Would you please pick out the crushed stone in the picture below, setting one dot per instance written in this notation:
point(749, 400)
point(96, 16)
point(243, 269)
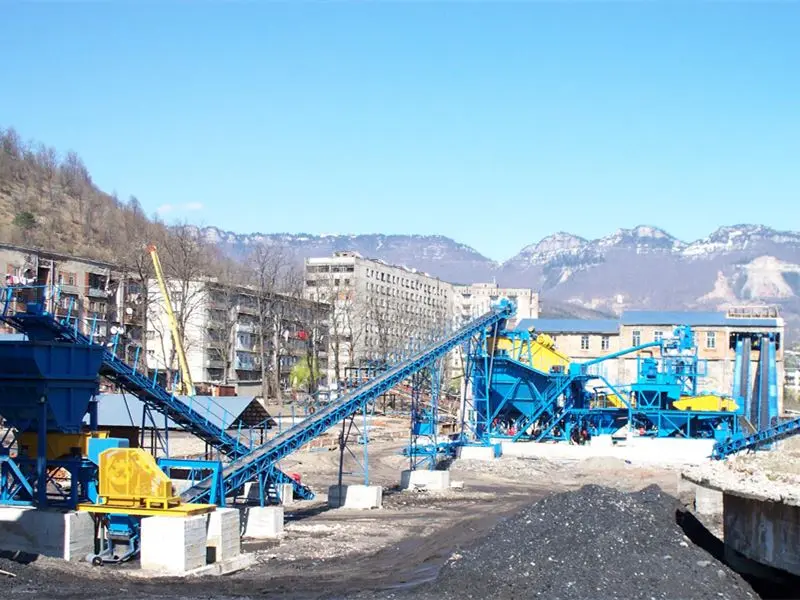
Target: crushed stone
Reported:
point(595, 542)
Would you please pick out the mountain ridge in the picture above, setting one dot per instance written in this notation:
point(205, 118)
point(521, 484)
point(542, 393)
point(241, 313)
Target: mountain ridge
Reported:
point(641, 267)
point(644, 237)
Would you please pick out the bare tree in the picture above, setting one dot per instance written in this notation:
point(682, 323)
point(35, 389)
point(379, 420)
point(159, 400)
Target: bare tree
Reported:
point(136, 268)
point(223, 301)
point(347, 321)
point(48, 162)
point(270, 273)
point(186, 258)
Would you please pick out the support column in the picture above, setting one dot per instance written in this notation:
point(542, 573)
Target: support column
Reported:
point(41, 455)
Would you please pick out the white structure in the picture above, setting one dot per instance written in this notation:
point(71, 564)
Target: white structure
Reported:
point(222, 333)
point(473, 300)
point(379, 309)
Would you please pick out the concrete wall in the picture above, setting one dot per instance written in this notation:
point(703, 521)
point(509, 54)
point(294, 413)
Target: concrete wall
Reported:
point(767, 532)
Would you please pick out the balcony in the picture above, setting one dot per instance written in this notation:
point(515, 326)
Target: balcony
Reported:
point(246, 365)
point(67, 288)
point(246, 327)
point(213, 363)
point(94, 292)
point(247, 309)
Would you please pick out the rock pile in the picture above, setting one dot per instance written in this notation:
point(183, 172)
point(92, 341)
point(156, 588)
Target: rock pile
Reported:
point(594, 543)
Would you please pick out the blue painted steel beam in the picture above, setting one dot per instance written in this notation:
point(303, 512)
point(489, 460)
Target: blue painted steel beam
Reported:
point(751, 442)
point(267, 455)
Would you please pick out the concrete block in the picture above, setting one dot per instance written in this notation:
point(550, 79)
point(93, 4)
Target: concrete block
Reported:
point(686, 489)
point(426, 480)
point(263, 522)
point(763, 531)
point(286, 493)
point(457, 485)
point(251, 492)
point(480, 452)
point(355, 496)
point(707, 501)
point(173, 545)
point(64, 535)
point(223, 540)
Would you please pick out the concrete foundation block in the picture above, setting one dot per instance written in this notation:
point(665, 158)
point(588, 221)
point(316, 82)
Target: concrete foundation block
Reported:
point(707, 501)
point(762, 531)
point(686, 489)
point(251, 492)
point(355, 496)
point(425, 480)
point(64, 535)
point(223, 539)
point(286, 493)
point(263, 522)
point(480, 452)
point(173, 545)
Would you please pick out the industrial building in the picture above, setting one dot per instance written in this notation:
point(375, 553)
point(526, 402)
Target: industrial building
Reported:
point(717, 334)
point(222, 327)
point(379, 310)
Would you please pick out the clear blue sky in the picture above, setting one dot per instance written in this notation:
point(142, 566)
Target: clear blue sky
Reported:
point(495, 124)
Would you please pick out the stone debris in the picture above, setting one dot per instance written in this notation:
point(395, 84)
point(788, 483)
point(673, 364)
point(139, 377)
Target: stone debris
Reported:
point(768, 475)
point(596, 543)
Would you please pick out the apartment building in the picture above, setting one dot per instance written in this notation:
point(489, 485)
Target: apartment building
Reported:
point(379, 309)
point(91, 293)
point(716, 334)
point(223, 334)
point(473, 300)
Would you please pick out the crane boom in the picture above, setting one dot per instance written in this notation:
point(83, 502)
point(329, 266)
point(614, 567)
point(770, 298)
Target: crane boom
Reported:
point(187, 385)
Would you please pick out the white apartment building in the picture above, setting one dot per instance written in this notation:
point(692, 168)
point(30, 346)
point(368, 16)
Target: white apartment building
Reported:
point(379, 310)
point(476, 299)
point(222, 335)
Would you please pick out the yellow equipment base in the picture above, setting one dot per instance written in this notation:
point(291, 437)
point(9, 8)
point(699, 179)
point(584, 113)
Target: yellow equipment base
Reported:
point(182, 510)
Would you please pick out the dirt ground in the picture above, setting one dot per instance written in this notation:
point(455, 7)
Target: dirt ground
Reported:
point(334, 553)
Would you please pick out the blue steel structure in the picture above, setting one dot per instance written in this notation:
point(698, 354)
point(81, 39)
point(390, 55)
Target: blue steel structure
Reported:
point(40, 325)
point(46, 390)
point(514, 400)
point(761, 401)
point(262, 460)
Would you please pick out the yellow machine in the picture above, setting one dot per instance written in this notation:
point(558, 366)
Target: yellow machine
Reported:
point(59, 445)
point(540, 353)
point(706, 402)
point(614, 401)
point(131, 483)
point(186, 385)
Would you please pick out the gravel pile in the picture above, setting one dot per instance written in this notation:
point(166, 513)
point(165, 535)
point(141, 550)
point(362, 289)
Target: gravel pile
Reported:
point(593, 543)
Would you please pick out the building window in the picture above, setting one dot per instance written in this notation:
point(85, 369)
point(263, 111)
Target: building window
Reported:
point(637, 338)
point(584, 342)
point(657, 335)
point(605, 342)
point(711, 340)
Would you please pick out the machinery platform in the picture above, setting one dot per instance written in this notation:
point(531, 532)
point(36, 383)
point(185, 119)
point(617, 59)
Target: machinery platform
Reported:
point(181, 510)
